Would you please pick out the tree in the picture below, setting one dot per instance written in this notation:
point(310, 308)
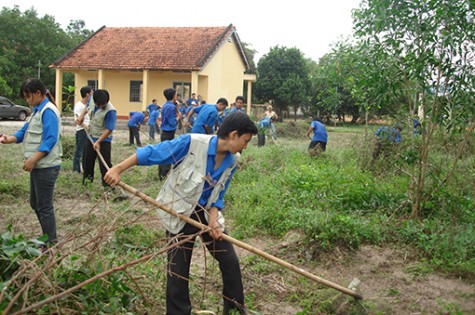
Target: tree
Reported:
point(30, 44)
point(432, 43)
point(283, 78)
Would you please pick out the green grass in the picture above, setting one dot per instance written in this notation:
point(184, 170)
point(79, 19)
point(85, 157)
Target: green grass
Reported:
point(334, 200)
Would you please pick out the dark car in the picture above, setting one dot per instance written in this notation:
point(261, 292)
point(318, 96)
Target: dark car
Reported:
point(10, 110)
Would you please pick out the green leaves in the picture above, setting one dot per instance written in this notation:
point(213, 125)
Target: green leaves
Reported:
point(16, 247)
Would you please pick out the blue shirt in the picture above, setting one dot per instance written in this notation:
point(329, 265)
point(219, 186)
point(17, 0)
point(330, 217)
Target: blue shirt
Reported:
point(50, 128)
point(264, 122)
point(319, 131)
point(152, 120)
point(391, 135)
point(136, 119)
point(207, 116)
point(234, 109)
point(168, 117)
point(174, 151)
point(182, 109)
point(151, 107)
point(192, 118)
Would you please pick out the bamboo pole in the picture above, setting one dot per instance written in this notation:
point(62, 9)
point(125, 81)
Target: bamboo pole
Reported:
point(228, 238)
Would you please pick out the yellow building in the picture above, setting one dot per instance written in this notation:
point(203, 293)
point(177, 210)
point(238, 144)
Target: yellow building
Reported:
point(135, 64)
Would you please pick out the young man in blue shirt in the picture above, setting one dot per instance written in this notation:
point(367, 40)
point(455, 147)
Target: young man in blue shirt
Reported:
point(204, 166)
point(239, 102)
point(386, 138)
point(153, 125)
point(137, 119)
point(320, 136)
point(152, 106)
point(207, 115)
point(168, 126)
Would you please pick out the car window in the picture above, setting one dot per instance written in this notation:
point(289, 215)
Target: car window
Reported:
point(4, 102)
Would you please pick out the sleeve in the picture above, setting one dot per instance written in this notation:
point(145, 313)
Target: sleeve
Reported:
point(166, 152)
point(111, 119)
point(20, 134)
point(50, 131)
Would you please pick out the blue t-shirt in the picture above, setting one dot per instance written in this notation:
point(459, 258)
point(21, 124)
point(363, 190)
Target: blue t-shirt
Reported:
point(319, 131)
point(151, 107)
point(235, 109)
point(168, 117)
point(207, 116)
point(152, 119)
point(173, 152)
point(391, 135)
point(264, 122)
point(136, 119)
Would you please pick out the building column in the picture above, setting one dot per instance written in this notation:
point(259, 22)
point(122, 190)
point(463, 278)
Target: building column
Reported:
point(249, 96)
point(145, 96)
point(59, 90)
point(194, 82)
point(100, 79)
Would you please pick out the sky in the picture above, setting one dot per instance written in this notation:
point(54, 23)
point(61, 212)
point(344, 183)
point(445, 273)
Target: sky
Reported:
point(309, 25)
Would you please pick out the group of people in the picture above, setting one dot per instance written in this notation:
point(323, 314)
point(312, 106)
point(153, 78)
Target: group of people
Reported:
point(203, 166)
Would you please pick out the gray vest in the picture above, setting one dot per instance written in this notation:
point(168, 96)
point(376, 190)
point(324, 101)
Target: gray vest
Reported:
point(97, 123)
point(34, 136)
point(184, 185)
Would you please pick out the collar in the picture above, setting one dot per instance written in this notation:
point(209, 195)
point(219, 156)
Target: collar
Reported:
point(40, 107)
point(213, 145)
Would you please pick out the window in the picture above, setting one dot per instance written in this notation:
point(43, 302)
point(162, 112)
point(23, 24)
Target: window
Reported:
point(183, 90)
point(92, 84)
point(136, 91)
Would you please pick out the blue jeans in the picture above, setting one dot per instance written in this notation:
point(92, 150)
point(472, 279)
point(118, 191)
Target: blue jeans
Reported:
point(151, 131)
point(80, 150)
point(42, 181)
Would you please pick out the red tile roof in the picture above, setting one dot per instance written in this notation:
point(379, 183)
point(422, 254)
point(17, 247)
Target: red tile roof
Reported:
point(149, 48)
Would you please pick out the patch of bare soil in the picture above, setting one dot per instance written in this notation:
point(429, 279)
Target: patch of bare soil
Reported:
point(391, 281)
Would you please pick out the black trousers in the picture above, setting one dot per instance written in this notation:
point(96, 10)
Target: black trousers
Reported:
point(134, 133)
point(179, 258)
point(163, 169)
point(90, 161)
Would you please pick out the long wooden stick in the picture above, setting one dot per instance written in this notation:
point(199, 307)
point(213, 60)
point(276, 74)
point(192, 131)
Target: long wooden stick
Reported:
point(228, 238)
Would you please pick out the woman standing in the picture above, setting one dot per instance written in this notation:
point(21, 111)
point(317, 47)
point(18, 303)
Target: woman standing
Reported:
point(42, 150)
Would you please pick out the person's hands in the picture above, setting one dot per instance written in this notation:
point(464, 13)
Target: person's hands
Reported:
point(2, 138)
point(29, 164)
point(112, 176)
point(216, 231)
point(97, 146)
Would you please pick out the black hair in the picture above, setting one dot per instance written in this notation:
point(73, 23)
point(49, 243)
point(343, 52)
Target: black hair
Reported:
point(101, 97)
point(222, 100)
point(237, 121)
point(85, 90)
point(32, 85)
point(202, 102)
point(169, 93)
point(239, 97)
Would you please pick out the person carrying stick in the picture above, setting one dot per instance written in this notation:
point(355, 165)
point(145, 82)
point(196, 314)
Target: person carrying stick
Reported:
point(203, 168)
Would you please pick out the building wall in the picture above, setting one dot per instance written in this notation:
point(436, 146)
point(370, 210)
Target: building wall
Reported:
point(225, 74)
